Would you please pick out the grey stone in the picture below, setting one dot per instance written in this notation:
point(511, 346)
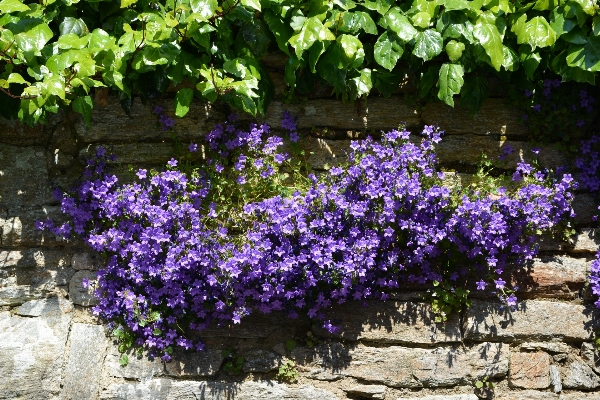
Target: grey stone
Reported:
point(184, 364)
point(555, 379)
point(368, 391)
point(587, 240)
point(17, 227)
point(578, 375)
point(36, 308)
point(533, 321)
point(86, 354)
point(580, 396)
point(392, 322)
point(443, 397)
point(35, 258)
point(85, 261)
point(261, 361)
point(80, 295)
point(404, 367)
point(552, 347)
point(591, 355)
point(530, 370)
point(17, 133)
point(137, 153)
point(553, 276)
point(585, 208)
point(164, 389)
point(31, 353)
point(526, 395)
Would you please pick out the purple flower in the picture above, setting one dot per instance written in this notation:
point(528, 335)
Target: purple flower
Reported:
point(141, 174)
point(172, 162)
point(193, 147)
point(537, 108)
point(500, 283)
point(481, 285)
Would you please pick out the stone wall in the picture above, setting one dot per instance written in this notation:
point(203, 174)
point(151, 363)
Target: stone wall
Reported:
point(51, 346)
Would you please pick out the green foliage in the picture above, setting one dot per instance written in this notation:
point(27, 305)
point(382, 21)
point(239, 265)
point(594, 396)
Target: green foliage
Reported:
point(55, 53)
point(484, 383)
point(288, 372)
point(233, 363)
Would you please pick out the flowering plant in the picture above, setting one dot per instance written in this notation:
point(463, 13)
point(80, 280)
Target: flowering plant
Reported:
point(243, 232)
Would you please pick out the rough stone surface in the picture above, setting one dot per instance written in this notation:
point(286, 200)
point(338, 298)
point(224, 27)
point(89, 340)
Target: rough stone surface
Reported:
point(85, 261)
point(261, 361)
point(578, 375)
point(532, 321)
point(555, 379)
point(35, 258)
point(526, 395)
point(591, 355)
point(580, 396)
point(368, 391)
point(163, 389)
point(588, 240)
point(530, 370)
point(552, 347)
point(80, 295)
point(585, 208)
point(392, 322)
point(405, 367)
point(37, 308)
point(443, 397)
point(552, 276)
point(31, 353)
point(87, 350)
point(184, 364)
point(137, 153)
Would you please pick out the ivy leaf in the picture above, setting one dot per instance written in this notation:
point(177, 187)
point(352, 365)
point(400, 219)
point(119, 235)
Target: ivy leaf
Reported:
point(311, 31)
point(84, 106)
point(362, 84)
point(428, 44)
point(454, 4)
point(127, 3)
point(511, 59)
point(205, 8)
point(381, 6)
point(124, 360)
point(73, 25)
point(530, 62)
point(183, 99)
point(586, 57)
point(386, 82)
point(450, 82)
point(353, 49)
point(16, 78)
point(398, 23)
point(282, 32)
point(560, 24)
point(35, 38)
point(388, 50)
point(454, 50)
point(9, 6)
point(421, 19)
point(536, 32)
point(353, 22)
point(427, 80)
point(489, 37)
point(55, 85)
point(474, 92)
point(255, 4)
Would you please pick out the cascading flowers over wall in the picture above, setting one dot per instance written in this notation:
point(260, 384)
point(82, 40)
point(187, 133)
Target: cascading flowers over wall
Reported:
point(243, 231)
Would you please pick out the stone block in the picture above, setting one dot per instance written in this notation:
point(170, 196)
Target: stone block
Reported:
point(80, 293)
point(526, 395)
point(529, 370)
point(585, 208)
point(367, 391)
point(28, 284)
point(591, 355)
point(86, 261)
point(261, 361)
point(17, 227)
point(580, 396)
point(165, 389)
point(87, 349)
point(494, 118)
point(442, 397)
point(532, 321)
point(35, 258)
point(401, 367)
point(184, 364)
point(555, 379)
point(578, 375)
point(37, 308)
point(587, 241)
point(552, 347)
point(137, 153)
point(391, 322)
point(19, 134)
point(31, 353)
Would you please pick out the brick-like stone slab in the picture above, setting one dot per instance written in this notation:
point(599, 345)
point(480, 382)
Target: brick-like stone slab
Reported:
point(532, 321)
point(391, 322)
point(443, 397)
point(587, 240)
point(35, 258)
point(578, 375)
point(526, 395)
point(405, 367)
point(165, 389)
point(79, 293)
point(530, 370)
point(87, 349)
point(31, 353)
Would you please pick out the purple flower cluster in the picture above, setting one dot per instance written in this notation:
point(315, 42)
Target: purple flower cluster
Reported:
point(176, 263)
point(165, 121)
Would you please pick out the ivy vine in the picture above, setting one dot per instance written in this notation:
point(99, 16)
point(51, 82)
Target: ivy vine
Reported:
point(54, 53)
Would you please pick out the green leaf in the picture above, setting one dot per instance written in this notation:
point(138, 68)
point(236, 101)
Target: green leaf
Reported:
point(353, 48)
point(183, 99)
point(35, 38)
point(421, 19)
point(362, 84)
point(511, 59)
point(290, 345)
point(454, 4)
point(398, 23)
point(381, 6)
point(455, 25)
point(204, 8)
point(489, 37)
point(16, 78)
point(478, 384)
point(84, 106)
point(560, 24)
point(127, 3)
point(124, 360)
point(9, 6)
point(388, 50)
point(454, 50)
point(353, 22)
point(55, 85)
point(312, 30)
point(586, 57)
point(427, 80)
point(73, 25)
point(428, 44)
point(450, 82)
point(282, 32)
point(255, 4)
point(530, 62)
point(536, 32)
point(473, 93)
